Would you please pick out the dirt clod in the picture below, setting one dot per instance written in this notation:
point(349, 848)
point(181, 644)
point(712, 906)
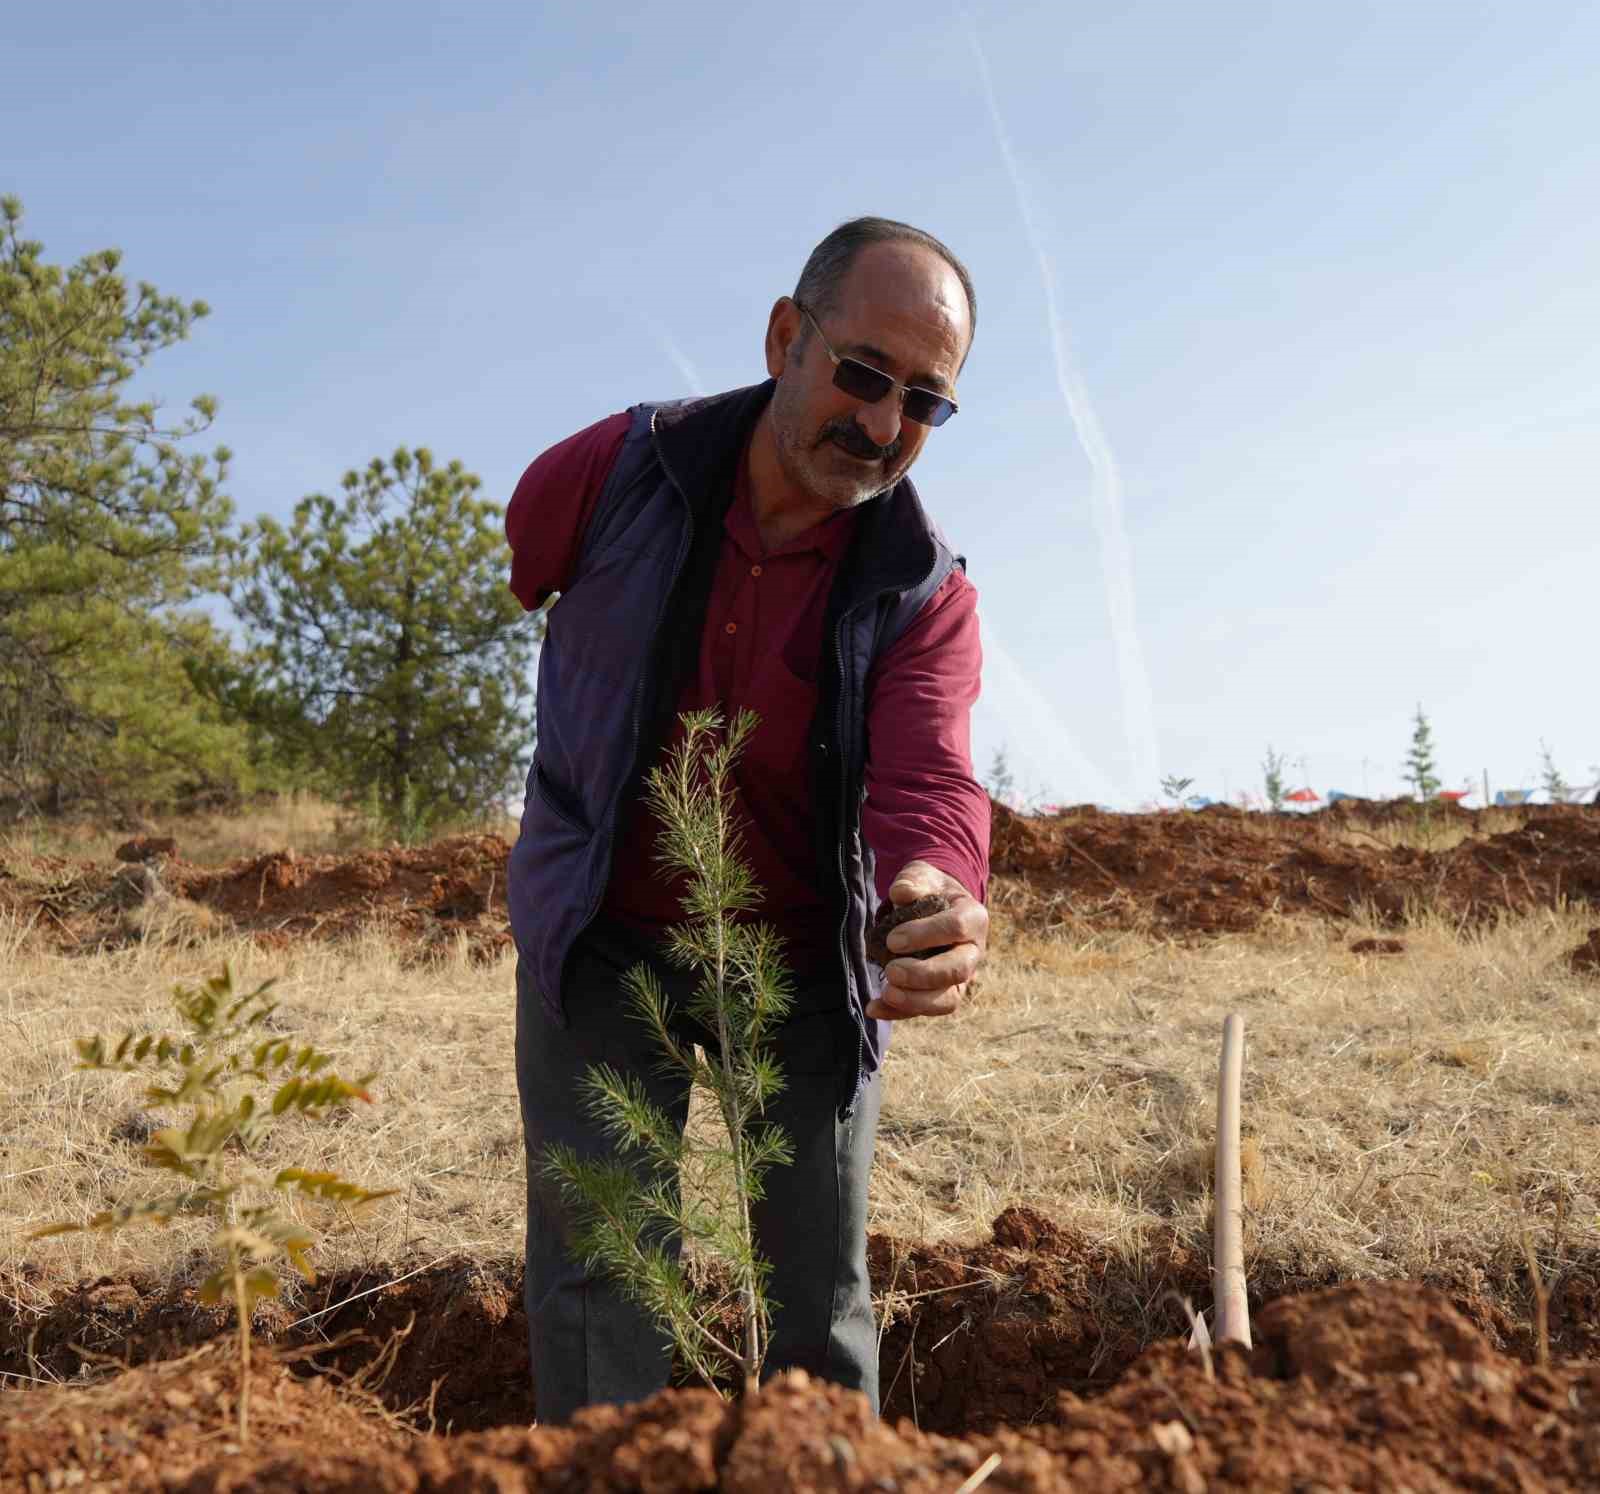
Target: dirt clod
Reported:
point(891, 917)
point(1378, 946)
point(1586, 957)
point(147, 848)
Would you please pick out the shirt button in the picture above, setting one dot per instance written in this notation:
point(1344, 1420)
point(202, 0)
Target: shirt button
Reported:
point(755, 570)
point(731, 628)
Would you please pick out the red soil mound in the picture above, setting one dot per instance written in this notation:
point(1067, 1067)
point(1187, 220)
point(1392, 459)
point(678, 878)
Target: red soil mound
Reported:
point(430, 896)
point(1361, 1387)
point(1223, 871)
point(1212, 872)
point(973, 1337)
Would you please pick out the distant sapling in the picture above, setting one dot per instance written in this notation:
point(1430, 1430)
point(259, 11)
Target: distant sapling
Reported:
point(235, 1082)
point(1272, 777)
point(1175, 788)
point(1421, 771)
point(1550, 777)
point(1001, 785)
point(630, 1218)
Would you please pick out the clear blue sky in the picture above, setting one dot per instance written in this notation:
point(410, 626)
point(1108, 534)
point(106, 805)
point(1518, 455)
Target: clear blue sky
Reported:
point(1313, 435)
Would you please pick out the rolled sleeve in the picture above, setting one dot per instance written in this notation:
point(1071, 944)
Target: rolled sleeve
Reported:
point(923, 803)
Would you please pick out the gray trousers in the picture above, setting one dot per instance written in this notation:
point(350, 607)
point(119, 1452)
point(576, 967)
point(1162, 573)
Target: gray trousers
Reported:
point(589, 1343)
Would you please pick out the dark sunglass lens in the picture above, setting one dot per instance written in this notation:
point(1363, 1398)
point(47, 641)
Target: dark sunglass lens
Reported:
point(927, 408)
point(860, 381)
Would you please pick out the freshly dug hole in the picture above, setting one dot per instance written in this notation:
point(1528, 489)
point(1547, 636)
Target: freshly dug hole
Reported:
point(972, 1337)
point(1365, 1386)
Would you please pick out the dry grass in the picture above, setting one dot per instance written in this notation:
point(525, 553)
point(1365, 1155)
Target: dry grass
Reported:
point(1410, 1114)
point(445, 1128)
point(1420, 827)
point(1439, 831)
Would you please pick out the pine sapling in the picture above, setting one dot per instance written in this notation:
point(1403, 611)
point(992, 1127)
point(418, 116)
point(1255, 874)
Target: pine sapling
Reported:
point(1550, 778)
point(702, 1190)
point(1272, 777)
point(235, 1080)
point(1001, 784)
point(1422, 772)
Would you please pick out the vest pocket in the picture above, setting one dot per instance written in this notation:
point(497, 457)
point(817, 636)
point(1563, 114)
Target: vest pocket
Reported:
point(558, 801)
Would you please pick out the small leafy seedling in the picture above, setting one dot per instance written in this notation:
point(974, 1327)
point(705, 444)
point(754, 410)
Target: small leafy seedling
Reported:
point(235, 1080)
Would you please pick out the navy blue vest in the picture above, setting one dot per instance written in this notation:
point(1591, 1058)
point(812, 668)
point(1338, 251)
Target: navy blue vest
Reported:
point(624, 637)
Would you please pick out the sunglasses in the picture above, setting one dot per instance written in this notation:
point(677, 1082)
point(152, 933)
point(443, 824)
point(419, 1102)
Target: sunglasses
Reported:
point(864, 382)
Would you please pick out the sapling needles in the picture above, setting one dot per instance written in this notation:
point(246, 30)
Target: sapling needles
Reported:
point(699, 1191)
point(234, 1077)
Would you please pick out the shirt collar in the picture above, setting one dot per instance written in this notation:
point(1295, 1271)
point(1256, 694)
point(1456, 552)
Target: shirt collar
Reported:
point(828, 538)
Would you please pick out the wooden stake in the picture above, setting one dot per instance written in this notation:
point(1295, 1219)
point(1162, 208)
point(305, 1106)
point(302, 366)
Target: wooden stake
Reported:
point(980, 1473)
point(1231, 1307)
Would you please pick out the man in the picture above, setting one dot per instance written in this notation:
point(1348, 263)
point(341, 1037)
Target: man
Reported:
point(759, 549)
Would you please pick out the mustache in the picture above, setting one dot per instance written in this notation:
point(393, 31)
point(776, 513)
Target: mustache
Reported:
point(856, 441)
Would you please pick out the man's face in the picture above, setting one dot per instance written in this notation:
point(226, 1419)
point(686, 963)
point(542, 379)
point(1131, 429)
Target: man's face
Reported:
point(901, 309)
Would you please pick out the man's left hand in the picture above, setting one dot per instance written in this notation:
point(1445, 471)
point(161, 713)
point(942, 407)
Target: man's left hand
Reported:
point(932, 987)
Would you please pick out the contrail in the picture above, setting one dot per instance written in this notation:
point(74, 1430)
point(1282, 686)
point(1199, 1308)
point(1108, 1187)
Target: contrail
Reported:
point(1106, 488)
point(674, 352)
point(1022, 706)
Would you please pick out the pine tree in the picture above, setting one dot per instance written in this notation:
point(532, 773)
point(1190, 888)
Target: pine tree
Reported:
point(107, 527)
point(390, 660)
point(1421, 770)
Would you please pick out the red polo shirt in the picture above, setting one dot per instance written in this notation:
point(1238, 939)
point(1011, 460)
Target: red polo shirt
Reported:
point(759, 649)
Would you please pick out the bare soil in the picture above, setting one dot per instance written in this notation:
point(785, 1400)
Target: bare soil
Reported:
point(424, 1386)
point(1218, 871)
point(1222, 871)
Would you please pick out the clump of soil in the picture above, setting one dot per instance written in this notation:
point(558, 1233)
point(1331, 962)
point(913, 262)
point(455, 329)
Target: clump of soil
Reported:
point(891, 917)
point(147, 848)
point(1378, 946)
point(1586, 957)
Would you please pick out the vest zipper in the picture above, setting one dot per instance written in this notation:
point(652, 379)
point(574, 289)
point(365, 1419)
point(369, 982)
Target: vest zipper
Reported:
point(638, 700)
point(860, 1004)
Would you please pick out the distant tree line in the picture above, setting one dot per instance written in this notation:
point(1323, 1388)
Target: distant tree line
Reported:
point(375, 654)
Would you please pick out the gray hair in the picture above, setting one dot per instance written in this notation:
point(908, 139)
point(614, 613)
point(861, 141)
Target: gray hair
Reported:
point(830, 261)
